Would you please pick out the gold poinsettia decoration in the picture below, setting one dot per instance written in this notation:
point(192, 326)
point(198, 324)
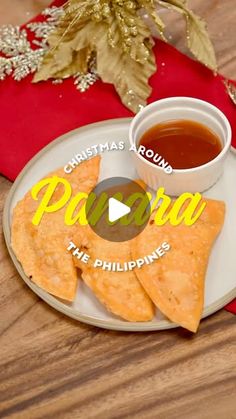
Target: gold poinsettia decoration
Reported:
point(115, 33)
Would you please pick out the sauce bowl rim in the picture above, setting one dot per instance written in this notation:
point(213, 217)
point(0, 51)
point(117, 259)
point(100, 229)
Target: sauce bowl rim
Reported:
point(174, 99)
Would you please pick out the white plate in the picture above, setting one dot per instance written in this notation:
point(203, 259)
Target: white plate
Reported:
point(220, 285)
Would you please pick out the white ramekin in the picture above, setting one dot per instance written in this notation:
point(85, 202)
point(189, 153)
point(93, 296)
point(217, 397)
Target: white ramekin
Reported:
point(196, 179)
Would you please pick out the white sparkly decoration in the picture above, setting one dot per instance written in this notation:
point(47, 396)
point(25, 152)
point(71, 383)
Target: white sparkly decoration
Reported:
point(25, 64)
point(84, 81)
point(13, 41)
point(42, 30)
point(5, 68)
point(19, 57)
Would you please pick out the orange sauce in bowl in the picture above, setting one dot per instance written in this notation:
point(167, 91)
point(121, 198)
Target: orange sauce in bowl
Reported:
point(183, 143)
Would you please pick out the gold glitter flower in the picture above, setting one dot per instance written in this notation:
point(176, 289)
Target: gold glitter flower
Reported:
point(115, 33)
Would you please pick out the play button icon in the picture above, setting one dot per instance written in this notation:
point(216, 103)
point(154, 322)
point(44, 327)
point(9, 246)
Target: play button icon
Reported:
point(118, 209)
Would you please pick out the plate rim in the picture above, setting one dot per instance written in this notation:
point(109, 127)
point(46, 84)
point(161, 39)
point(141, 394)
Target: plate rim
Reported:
point(58, 305)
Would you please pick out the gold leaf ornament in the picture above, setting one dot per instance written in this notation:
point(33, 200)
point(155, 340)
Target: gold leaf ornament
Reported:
point(127, 62)
point(66, 56)
point(198, 40)
point(129, 77)
point(115, 32)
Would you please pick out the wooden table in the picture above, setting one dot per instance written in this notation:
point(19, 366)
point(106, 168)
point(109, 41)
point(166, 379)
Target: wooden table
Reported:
point(54, 367)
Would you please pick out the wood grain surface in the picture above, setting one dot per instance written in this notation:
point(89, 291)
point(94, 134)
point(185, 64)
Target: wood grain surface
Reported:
point(54, 367)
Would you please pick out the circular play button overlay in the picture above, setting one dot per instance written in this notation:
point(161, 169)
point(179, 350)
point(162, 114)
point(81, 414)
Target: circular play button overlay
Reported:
point(118, 209)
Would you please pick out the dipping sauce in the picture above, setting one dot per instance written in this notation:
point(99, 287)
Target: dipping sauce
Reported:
point(183, 143)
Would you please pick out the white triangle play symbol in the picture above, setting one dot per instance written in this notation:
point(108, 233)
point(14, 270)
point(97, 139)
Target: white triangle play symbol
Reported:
point(116, 209)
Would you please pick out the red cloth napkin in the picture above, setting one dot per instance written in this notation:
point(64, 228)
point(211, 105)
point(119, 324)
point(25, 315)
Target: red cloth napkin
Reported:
point(32, 115)
point(231, 307)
